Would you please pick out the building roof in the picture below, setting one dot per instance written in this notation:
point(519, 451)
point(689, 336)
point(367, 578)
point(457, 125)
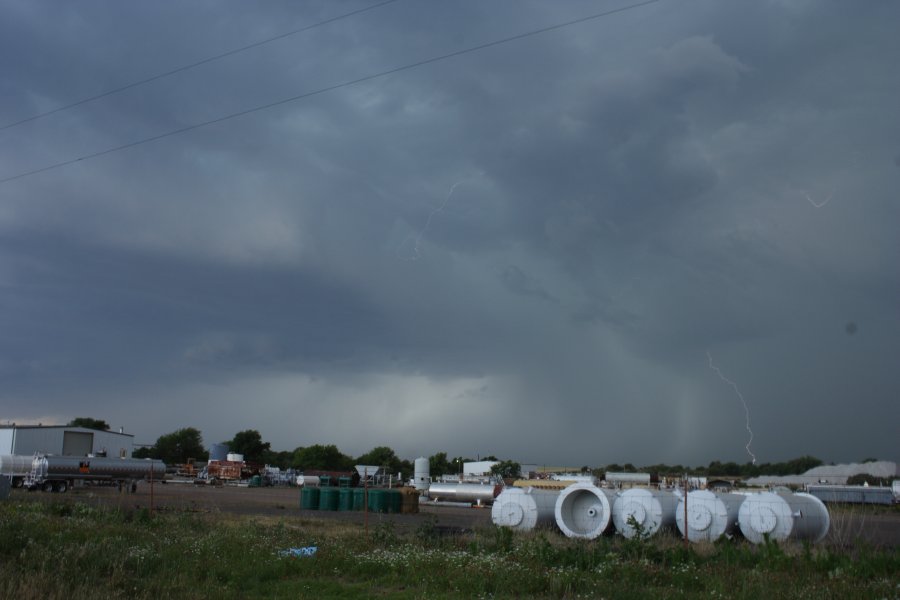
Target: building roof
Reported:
point(66, 427)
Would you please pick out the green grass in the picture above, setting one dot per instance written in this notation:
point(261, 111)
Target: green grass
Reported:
point(78, 551)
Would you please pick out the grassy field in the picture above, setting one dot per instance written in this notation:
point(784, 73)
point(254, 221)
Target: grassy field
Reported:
point(55, 550)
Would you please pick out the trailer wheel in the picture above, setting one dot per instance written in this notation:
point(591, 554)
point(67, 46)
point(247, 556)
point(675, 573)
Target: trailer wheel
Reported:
point(133, 487)
point(63, 487)
point(47, 487)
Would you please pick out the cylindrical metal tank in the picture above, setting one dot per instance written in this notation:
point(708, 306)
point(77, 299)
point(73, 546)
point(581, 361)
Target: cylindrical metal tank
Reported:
point(309, 498)
point(82, 467)
point(307, 481)
point(377, 500)
point(709, 515)
point(329, 498)
point(15, 464)
point(651, 510)
point(464, 492)
point(234, 457)
point(628, 478)
point(359, 498)
point(345, 498)
point(779, 516)
point(218, 452)
point(584, 511)
point(524, 509)
point(421, 474)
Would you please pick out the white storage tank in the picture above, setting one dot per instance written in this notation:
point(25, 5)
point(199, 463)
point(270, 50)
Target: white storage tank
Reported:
point(709, 515)
point(421, 474)
point(524, 509)
point(780, 516)
point(651, 509)
point(584, 511)
point(308, 481)
point(233, 457)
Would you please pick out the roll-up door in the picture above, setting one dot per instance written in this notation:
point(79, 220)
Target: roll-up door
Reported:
point(77, 443)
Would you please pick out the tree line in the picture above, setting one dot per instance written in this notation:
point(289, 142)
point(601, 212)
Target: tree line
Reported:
point(187, 443)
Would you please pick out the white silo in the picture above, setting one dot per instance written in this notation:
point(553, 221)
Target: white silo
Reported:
point(709, 515)
point(650, 510)
point(524, 509)
point(584, 511)
point(421, 474)
point(779, 516)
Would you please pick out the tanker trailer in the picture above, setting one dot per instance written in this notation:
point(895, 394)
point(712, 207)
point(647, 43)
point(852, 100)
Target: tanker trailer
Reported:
point(16, 467)
point(59, 473)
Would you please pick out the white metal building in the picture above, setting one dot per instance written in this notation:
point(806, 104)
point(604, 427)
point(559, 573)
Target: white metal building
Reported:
point(63, 440)
point(478, 469)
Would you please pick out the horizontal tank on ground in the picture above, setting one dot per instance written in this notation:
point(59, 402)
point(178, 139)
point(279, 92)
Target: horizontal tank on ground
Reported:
point(644, 511)
point(852, 494)
point(709, 515)
point(308, 481)
point(780, 516)
point(471, 493)
point(584, 511)
point(628, 478)
point(524, 509)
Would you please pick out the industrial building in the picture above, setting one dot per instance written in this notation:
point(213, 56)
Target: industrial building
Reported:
point(63, 440)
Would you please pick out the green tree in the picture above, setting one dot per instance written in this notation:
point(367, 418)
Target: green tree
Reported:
point(89, 423)
point(322, 458)
point(439, 465)
point(249, 443)
point(507, 469)
point(179, 446)
point(143, 452)
point(381, 456)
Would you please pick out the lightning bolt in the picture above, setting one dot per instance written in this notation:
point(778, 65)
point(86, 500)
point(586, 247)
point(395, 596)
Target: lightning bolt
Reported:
point(744, 402)
point(819, 204)
point(416, 252)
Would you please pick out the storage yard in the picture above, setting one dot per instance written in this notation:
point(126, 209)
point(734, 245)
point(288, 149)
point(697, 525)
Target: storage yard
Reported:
point(848, 525)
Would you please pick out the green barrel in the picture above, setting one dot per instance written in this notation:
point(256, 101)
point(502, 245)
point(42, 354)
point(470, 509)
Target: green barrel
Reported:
point(328, 498)
point(359, 498)
point(309, 498)
point(344, 481)
point(377, 500)
point(393, 500)
point(324, 480)
point(255, 481)
point(345, 498)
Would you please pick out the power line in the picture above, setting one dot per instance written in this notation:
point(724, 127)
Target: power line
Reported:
point(330, 88)
point(193, 65)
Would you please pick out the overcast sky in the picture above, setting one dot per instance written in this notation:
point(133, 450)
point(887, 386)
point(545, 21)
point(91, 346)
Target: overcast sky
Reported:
point(609, 242)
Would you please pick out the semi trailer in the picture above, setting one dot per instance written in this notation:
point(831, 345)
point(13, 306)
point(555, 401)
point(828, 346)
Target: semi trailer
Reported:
point(59, 473)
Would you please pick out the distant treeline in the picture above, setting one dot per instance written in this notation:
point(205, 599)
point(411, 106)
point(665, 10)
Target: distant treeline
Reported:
point(725, 469)
point(184, 444)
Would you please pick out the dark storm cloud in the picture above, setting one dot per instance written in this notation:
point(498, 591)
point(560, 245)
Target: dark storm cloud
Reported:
point(526, 251)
